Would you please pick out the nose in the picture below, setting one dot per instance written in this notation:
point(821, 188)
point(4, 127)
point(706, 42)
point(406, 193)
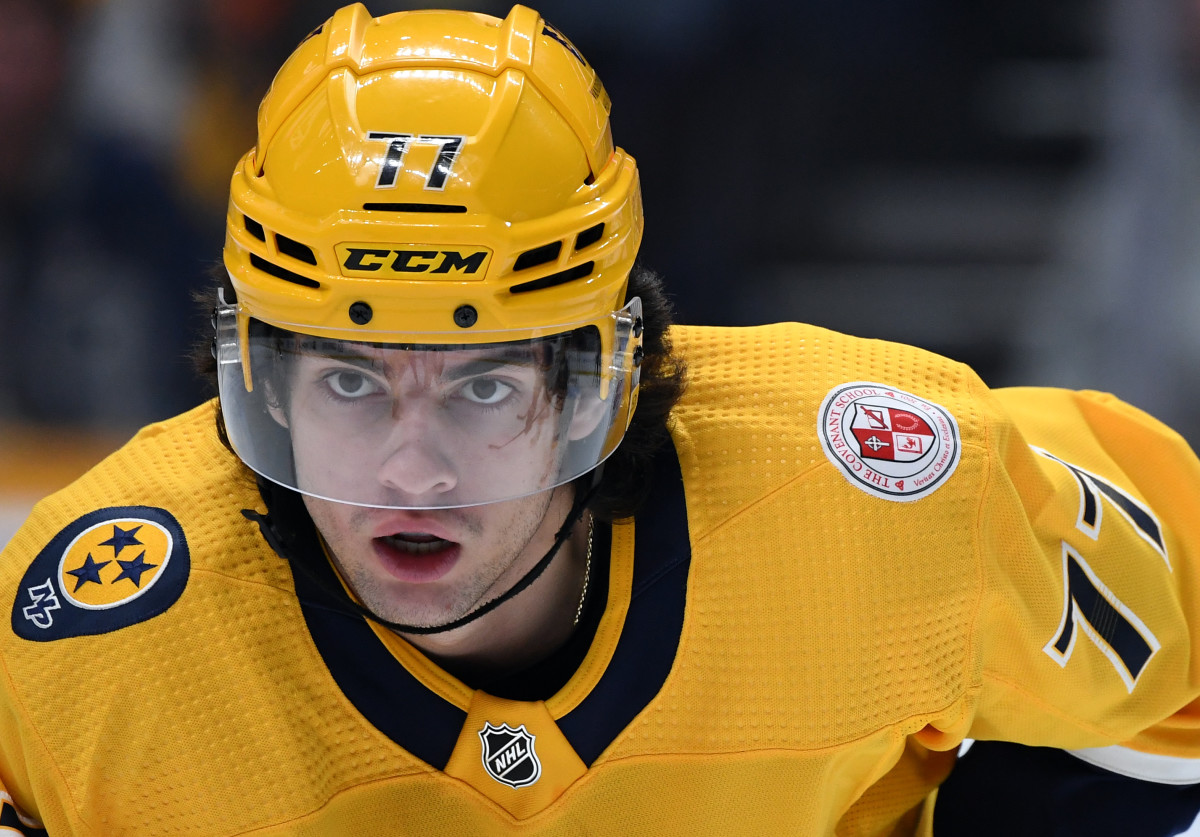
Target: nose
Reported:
point(418, 466)
point(416, 471)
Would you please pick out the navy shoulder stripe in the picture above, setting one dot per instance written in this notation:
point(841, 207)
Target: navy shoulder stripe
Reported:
point(650, 637)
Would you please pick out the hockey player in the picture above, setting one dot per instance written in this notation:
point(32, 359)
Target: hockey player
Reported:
point(455, 551)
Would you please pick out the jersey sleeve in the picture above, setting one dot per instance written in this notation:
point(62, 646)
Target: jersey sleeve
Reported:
point(1090, 607)
point(12, 821)
point(1002, 788)
point(17, 815)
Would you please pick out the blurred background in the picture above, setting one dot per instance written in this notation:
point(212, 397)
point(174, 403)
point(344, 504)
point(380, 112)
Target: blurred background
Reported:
point(1013, 184)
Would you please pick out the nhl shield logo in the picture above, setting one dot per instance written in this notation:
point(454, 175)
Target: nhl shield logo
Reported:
point(891, 444)
point(509, 756)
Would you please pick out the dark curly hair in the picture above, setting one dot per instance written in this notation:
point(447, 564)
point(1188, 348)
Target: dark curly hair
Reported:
point(624, 482)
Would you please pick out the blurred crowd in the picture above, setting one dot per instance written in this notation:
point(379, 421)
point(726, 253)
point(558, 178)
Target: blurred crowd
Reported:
point(122, 121)
point(772, 136)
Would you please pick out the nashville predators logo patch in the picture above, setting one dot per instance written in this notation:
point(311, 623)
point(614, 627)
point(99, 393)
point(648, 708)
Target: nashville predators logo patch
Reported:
point(108, 570)
point(509, 756)
point(889, 443)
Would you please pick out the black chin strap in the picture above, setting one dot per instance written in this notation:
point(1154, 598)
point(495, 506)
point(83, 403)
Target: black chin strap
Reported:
point(291, 533)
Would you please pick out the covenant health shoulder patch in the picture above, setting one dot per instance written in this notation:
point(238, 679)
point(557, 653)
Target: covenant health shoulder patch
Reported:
point(109, 569)
point(887, 442)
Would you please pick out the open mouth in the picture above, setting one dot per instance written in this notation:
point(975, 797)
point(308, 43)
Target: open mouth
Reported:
point(417, 557)
point(416, 543)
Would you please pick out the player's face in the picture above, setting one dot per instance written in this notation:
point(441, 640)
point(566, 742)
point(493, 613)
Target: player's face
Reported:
point(425, 430)
point(421, 428)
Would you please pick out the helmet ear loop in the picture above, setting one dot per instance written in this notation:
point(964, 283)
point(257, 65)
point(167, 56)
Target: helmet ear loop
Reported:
point(274, 405)
point(271, 367)
point(587, 412)
point(586, 403)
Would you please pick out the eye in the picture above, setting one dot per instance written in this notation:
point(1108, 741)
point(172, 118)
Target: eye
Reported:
point(485, 390)
point(348, 384)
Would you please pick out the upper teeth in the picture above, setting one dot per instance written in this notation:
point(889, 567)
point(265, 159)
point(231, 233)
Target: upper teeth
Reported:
point(410, 543)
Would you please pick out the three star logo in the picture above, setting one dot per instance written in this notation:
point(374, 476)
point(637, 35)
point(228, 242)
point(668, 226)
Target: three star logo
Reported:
point(114, 562)
point(107, 570)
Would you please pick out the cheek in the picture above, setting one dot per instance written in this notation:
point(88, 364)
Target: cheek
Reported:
point(336, 524)
point(314, 454)
point(328, 457)
point(508, 526)
point(527, 459)
point(326, 516)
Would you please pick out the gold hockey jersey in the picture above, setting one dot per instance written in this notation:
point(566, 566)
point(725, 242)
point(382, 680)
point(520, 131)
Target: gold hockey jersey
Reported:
point(855, 556)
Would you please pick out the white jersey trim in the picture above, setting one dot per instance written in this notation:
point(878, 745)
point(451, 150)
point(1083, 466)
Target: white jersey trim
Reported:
point(1165, 770)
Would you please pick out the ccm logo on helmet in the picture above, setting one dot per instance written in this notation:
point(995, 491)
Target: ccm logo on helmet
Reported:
point(403, 261)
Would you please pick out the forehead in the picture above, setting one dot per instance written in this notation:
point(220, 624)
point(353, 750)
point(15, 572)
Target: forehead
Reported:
point(431, 357)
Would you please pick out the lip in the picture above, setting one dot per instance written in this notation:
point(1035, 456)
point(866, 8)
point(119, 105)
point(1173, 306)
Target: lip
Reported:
point(401, 522)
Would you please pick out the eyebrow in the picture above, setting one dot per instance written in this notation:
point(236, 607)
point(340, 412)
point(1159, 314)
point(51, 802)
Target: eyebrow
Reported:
point(489, 363)
point(348, 356)
point(500, 357)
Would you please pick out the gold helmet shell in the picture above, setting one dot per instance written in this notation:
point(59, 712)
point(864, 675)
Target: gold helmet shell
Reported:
point(433, 177)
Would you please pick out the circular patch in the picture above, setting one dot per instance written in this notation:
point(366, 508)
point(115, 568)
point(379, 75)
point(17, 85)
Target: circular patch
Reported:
point(114, 562)
point(107, 570)
point(887, 442)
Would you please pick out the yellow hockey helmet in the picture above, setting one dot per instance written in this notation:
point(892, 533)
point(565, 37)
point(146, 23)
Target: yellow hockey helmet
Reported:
point(433, 180)
point(416, 165)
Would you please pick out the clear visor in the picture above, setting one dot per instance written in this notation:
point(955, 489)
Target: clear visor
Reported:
point(425, 426)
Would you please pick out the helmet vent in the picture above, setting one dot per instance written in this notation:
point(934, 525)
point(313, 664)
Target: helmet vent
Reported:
point(589, 236)
point(282, 273)
point(538, 255)
point(295, 249)
point(254, 228)
point(414, 207)
point(560, 278)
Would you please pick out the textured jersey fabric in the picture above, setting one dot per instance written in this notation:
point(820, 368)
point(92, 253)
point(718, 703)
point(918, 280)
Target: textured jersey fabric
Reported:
point(873, 558)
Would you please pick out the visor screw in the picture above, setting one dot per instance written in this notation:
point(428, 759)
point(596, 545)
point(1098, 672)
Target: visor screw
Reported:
point(361, 313)
point(465, 316)
point(638, 354)
point(637, 327)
